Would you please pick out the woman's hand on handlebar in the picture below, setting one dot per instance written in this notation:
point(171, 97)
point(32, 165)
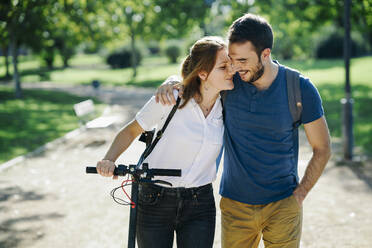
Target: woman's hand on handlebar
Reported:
point(106, 168)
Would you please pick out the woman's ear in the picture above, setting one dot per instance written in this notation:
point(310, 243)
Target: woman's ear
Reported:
point(203, 75)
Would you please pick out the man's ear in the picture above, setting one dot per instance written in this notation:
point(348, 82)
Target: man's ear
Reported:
point(203, 75)
point(265, 54)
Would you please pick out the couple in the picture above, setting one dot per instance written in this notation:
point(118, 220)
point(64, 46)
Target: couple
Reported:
point(261, 192)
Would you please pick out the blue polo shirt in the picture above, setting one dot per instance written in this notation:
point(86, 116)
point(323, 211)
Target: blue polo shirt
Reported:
point(261, 146)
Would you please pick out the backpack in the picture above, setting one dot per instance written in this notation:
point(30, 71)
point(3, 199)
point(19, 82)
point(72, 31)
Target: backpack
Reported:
point(294, 96)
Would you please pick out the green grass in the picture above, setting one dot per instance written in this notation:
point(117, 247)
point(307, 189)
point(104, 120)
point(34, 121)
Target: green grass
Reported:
point(332, 71)
point(331, 94)
point(40, 117)
point(327, 75)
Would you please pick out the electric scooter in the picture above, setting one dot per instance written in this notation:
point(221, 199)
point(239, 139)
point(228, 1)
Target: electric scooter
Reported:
point(144, 175)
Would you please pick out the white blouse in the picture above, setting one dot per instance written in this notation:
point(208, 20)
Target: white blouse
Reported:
point(191, 142)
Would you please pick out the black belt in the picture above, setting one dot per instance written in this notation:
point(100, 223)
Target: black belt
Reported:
point(178, 191)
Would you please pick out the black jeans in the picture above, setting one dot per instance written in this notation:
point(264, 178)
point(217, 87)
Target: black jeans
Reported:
point(190, 212)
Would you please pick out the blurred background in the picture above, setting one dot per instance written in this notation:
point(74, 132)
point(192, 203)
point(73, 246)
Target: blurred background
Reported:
point(55, 54)
point(120, 43)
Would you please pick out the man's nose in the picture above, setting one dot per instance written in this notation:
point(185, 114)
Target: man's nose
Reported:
point(231, 69)
point(234, 67)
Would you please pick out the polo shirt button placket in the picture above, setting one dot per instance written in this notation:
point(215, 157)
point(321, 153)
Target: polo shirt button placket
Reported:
point(253, 103)
point(253, 90)
point(197, 160)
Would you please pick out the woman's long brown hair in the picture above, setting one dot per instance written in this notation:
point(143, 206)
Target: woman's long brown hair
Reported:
point(202, 57)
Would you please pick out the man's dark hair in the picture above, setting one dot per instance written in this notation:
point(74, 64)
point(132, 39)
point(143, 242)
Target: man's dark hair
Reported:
point(252, 28)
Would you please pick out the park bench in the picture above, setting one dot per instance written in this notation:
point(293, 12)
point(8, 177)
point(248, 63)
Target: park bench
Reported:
point(85, 111)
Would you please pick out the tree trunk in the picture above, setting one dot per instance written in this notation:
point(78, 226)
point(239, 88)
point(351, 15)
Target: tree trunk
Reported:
point(6, 57)
point(7, 74)
point(134, 56)
point(65, 61)
point(203, 27)
point(17, 83)
point(65, 52)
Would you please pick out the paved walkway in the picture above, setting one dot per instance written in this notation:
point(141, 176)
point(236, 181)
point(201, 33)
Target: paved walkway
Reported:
point(49, 201)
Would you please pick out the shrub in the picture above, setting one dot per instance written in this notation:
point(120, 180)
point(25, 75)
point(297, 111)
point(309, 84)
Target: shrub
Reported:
point(333, 47)
point(173, 52)
point(122, 58)
point(153, 48)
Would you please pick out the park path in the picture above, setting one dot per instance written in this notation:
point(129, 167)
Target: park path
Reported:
point(48, 200)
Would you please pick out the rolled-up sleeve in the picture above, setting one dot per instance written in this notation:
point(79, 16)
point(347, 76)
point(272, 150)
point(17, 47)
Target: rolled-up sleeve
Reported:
point(153, 113)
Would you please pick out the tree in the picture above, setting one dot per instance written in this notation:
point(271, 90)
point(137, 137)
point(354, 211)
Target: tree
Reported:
point(24, 22)
point(133, 18)
point(4, 46)
point(157, 19)
point(136, 16)
point(70, 23)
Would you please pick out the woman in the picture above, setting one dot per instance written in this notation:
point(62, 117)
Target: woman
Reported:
point(192, 143)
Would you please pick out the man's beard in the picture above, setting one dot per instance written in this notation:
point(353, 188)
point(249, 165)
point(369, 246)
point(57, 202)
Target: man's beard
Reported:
point(258, 72)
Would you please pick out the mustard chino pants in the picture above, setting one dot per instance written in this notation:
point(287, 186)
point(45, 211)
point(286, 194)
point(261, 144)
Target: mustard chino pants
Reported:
point(279, 223)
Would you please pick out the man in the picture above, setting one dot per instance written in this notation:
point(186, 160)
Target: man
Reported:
point(260, 188)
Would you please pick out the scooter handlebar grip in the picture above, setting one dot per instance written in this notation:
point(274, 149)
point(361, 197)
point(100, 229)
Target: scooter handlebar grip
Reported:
point(91, 170)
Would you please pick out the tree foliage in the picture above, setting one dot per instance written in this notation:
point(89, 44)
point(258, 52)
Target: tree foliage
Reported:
point(71, 23)
point(51, 27)
point(297, 23)
point(176, 18)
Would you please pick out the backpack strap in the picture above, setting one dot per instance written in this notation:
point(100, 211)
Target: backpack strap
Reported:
point(223, 99)
point(294, 95)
